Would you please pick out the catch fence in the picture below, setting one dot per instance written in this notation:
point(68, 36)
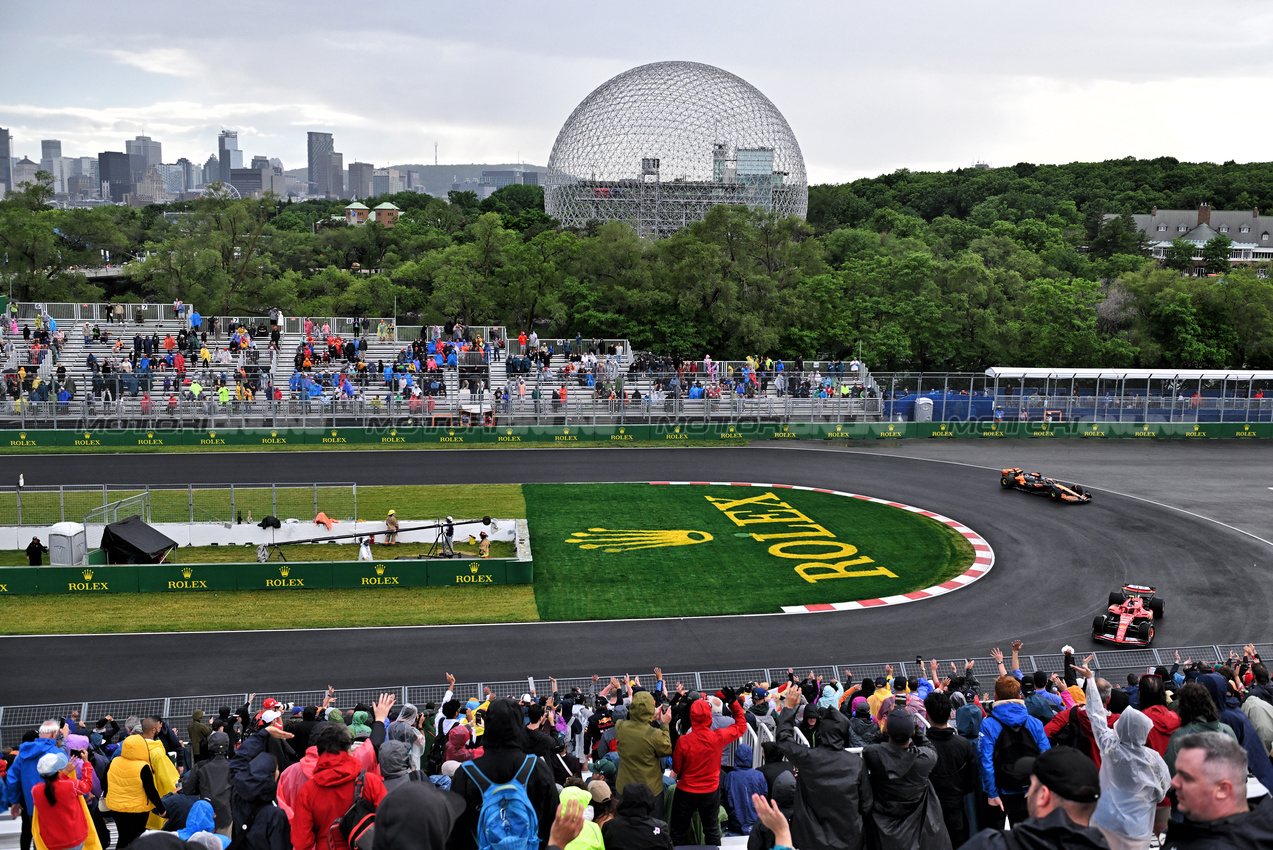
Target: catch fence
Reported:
point(192, 503)
point(1113, 665)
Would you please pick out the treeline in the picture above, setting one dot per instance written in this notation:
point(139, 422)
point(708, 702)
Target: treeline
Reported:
point(953, 271)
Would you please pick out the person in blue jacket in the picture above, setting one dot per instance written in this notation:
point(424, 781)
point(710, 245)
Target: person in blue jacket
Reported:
point(23, 775)
point(1008, 710)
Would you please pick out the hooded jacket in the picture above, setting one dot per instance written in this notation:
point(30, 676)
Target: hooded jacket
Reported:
point(1046, 833)
point(23, 775)
point(457, 745)
point(642, 745)
point(1134, 777)
point(634, 825)
point(395, 764)
point(740, 783)
point(1013, 713)
point(255, 790)
point(589, 838)
point(416, 816)
point(130, 783)
point(833, 790)
point(954, 776)
point(697, 757)
point(907, 813)
point(1196, 725)
point(198, 731)
point(327, 796)
point(1230, 713)
point(211, 777)
point(1165, 723)
point(200, 818)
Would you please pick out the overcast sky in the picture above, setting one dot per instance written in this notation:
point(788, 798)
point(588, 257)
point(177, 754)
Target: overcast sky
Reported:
point(867, 88)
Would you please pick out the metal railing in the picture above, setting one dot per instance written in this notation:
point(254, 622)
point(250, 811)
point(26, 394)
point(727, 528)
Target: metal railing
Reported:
point(189, 503)
point(1113, 665)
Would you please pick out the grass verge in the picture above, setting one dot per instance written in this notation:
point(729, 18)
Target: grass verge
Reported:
point(263, 609)
point(732, 572)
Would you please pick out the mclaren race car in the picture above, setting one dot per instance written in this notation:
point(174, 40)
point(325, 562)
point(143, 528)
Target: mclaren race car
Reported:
point(1131, 616)
point(1034, 482)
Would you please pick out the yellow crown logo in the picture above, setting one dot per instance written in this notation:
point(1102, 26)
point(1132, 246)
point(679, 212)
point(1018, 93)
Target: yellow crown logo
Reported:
point(88, 575)
point(333, 433)
point(508, 430)
point(284, 570)
point(943, 427)
point(212, 434)
point(274, 433)
point(186, 572)
point(380, 569)
point(87, 435)
point(473, 567)
point(450, 433)
point(393, 432)
point(677, 429)
point(22, 435)
point(621, 431)
point(626, 540)
point(149, 434)
point(731, 429)
point(565, 431)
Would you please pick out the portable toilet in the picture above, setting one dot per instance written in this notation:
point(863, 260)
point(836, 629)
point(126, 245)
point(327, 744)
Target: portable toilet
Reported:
point(923, 410)
point(68, 544)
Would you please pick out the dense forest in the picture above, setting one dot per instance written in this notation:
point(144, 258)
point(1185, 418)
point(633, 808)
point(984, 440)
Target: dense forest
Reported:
point(926, 271)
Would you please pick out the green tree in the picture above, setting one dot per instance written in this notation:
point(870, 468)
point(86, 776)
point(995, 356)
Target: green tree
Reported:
point(1215, 254)
point(1179, 255)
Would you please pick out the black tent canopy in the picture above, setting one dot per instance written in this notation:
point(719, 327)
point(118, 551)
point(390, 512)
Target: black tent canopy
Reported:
point(131, 541)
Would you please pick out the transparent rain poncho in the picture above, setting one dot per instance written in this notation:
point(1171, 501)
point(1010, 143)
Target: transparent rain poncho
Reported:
point(1134, 777)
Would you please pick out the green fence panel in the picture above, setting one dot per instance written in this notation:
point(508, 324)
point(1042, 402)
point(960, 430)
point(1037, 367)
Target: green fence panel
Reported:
point(371, 574)
point(150, 439)
point(451, 573)
point(88, 580)
point(519, 572)
point(452, 436)
point(1135, 430)
point(400, 436)
point(278, 575)
point(19, 580)
point(187, 578)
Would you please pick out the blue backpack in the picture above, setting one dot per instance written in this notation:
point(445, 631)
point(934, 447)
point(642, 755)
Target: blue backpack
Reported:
point(507, 821)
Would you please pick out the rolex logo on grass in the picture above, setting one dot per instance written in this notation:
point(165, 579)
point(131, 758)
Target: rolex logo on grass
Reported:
point(284, 570)
point(186, 572)
point(627, 540)
point(88, 575)
point(380, 569)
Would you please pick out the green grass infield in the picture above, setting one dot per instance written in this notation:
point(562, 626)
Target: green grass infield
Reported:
point(605, 551)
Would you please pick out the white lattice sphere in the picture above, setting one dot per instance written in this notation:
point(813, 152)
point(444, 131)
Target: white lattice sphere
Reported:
point(660, 145)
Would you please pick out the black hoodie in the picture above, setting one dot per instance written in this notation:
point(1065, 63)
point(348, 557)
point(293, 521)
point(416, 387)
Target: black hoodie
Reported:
point(416, 816)
point(634, 826)
point(833, 790)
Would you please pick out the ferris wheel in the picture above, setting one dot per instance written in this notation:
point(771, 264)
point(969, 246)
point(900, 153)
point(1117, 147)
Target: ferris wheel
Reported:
point(220, 191)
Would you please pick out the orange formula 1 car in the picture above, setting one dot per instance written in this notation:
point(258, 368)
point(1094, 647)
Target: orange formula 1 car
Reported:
point(1130, 620)
point(1034, 482)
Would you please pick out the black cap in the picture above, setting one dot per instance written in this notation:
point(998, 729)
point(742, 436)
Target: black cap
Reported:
point(1066, 772)
point(1027, 686)
point(900, 724)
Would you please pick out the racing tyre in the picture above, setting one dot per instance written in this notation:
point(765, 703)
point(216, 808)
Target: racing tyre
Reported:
point(1156, 605)
point(1098, 626)
point(1056, 495)
point(1145, 632)
point(1005, 482)
point(1117, 597)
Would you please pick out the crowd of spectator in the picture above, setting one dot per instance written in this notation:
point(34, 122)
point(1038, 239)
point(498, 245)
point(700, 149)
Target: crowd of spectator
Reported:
point(1064, 759)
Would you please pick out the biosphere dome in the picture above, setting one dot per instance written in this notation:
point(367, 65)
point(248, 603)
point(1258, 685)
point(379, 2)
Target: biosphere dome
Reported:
point(660, 145)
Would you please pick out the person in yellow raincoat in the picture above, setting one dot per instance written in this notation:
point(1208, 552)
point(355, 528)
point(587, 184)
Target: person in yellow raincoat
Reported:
point(165, 772)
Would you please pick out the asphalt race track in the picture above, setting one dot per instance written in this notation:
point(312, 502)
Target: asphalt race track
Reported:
point(1054, 567)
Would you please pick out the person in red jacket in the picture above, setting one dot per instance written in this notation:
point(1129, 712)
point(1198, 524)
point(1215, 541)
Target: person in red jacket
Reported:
point(696, 762)
point(1086, 742)
point(329, 793)
point(61, 820)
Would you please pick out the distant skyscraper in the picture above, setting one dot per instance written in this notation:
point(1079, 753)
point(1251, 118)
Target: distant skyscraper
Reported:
point(320, 146)
point(86, 166)
point(116, 172)
point(260, 162)
point(6, 162)
point(360, 176)
point(335, 175)
point(229, 155)
point(189, 174)
point(211, 171)
point(143, 152)
point(50, 148)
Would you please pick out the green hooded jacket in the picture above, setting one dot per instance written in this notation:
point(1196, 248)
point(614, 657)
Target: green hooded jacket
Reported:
point(642, 745)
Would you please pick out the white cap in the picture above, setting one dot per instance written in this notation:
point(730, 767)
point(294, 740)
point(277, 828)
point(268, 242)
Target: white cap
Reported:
point(449, 519)
point(268, 717)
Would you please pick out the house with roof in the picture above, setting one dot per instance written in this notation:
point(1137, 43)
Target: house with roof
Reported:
point(357, 214)
point(1249, 233)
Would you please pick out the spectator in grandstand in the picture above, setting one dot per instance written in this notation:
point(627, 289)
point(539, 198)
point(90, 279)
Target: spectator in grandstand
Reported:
point(1229, 711)
point(740, 783)
point(1073, 727)
point(131, 790)
point(1133, 777)
point(210, 777)
point(907, 814)
point(1005, 788)
point(329, 793)
point(1064, 789)
point(1197, 714)
point(416, 816)
point(954, 777)
point(197, 731)
point(636, 824)
point(696, 760)
point(1152, 699)
point(643, 741)
point(504, 753)
point(833, 790)
point(395, 764)
point(1210, 785)
point(60, 819)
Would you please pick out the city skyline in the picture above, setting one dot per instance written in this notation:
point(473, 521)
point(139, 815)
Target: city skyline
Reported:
point(866, 89)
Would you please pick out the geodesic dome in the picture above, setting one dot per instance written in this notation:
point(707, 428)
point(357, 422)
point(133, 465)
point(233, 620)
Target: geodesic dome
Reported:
point(661, 144)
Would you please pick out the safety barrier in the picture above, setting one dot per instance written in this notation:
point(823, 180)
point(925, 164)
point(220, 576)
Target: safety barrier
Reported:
point(274, 575)
point(1113, 665)
point(35, 441)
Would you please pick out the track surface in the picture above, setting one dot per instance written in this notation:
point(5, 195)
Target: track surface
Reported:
point(1054, 567)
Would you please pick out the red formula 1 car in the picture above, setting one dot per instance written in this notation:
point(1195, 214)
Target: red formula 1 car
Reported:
point(1130, 620)
point(1016, 478)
